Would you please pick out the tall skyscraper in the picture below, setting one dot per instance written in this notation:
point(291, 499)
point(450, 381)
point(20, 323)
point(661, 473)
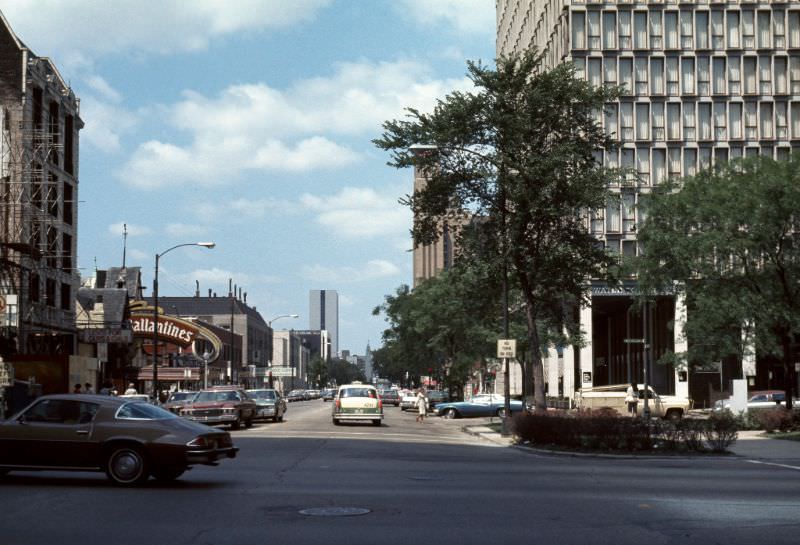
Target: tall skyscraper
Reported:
point(323, 312)
point(704, 82)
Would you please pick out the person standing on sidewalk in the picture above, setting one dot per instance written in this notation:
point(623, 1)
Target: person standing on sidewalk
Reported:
point(632, 399)
point(422, 405)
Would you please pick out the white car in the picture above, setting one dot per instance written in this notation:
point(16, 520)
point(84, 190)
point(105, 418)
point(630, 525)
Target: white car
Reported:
point(357, 401)
point(759, 399)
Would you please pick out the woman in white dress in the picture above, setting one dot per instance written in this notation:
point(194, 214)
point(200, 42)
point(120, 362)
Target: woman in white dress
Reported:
point(422, 405)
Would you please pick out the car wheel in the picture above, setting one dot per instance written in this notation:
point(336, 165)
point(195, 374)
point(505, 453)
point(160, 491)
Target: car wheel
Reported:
point(451, 413)
point(127, 465)
point(280, 418)
point(335, 421)
point(248, 423)
point(674, 415)
point(501, 412)
point(167, 473)
point(376, 422)
point(236, 424)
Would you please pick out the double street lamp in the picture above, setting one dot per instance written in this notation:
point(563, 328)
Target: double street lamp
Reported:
point(208, 245)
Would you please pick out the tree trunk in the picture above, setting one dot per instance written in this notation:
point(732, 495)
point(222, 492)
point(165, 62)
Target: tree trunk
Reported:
point(539, 401)
point(788, 370)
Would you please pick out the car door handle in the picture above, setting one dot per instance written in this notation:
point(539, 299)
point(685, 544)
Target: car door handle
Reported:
point(82, 432)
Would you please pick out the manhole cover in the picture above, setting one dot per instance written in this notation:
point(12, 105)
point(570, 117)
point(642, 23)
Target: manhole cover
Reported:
point(334, 511)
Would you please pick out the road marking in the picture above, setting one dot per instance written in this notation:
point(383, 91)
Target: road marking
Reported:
point(786, 466)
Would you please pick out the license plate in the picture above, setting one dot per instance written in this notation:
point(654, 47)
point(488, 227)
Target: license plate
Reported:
point(359, 411)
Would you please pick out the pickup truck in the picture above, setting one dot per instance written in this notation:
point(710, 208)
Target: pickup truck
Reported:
point(613, 397)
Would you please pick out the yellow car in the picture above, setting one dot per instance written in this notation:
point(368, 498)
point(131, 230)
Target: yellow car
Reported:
point(357, 402)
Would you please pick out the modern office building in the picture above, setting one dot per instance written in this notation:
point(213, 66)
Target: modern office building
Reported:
point(39, 124)
point(323, 314)
point(704, 81)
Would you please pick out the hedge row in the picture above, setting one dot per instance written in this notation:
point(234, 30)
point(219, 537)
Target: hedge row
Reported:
point(606, 432)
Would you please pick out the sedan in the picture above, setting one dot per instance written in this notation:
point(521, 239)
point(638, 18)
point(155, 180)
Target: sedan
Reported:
point(129, 440)
point(480, 405)
point(270, 404)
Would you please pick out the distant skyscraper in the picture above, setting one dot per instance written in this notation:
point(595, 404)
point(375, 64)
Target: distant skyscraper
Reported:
point(323, 312)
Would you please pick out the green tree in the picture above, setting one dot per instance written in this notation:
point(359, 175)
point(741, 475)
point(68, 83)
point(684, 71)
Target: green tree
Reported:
point(343, 372)
point(729, 239)
point(518, 154)
point(318, 371)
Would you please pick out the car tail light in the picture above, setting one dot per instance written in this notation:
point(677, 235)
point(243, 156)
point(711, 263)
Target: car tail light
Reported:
point(380, 404)
point(198, 442)
point(338, 404)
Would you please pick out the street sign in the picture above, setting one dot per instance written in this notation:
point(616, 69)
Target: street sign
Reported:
point(282, 371)
point(633, 341)
point(506, 348)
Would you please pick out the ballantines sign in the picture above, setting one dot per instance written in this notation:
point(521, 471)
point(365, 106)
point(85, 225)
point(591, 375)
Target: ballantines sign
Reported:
point(170, 329)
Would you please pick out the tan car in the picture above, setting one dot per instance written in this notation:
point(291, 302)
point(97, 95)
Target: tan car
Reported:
point(357, 402)
point(129, 440)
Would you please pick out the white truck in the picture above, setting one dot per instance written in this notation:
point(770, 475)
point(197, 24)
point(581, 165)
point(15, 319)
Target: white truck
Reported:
point(613, 397)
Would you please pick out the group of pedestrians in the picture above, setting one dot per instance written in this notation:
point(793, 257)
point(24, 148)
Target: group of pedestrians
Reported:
point(83, 388)
point(107, 389)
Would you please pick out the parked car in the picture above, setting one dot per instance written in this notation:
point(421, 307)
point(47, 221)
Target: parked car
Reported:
point(480, 405)
point(613, 397)
point(129, 440)
point(390, 397)
point(221, 405)
point(176, 400)
point(328, 394)
point(435, 397)
point(408, 401)
point(270, 404)
point(296, 395)
point(144, 398)
point(759, 399)
point(357, 402)
point(312, 394)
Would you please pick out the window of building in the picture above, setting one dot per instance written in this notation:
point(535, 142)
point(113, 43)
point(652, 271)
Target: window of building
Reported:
point(658, 121)
point(751, 151)
point(748, 29)
point(66, 252)
point(735, 120)
point(68, 204)
point(656, 76)
point(781, 121)
point(764, 25)
point(609, 30)
point(793, 24)
point(701, 24)
point(659, 165)
point(629, 248)
point(782, 153)
point(626, 163)
point(688, 121)
point(656, 41)
point(612, 162)
point(613, 217)
point(674, 163)
point(35, 288)
point(733, 29)
point(779, 28)
point(673, 121)
point(735, 152)
point(718, 69)
point(687, 30)
point(766, 121)
point(642, 121)
point(610, 70)
point(640, 30)
point(781, 79)
point(593, 19)
point(794, 74)
point(750, 75)
point(626, 121)
point(580, 68)
point(595, 69)
point(643, 165)
point(720, 124)
point(671, 29)
point(597, 219)
point(704, 158)
point(718, 29)
point(578, 30)
point(673, 88)
point(52, 196)
point(50, 292)
point(640, 65)
point(612, 246)
point(720, 156)
point(66, 296)
point(629, 206)
point(687, 75)
point(624, 30)
point(52, 248)
point(689, 162)
point(626, 75)
point(750, 120)
point(765, 75)
point(734, 76)
point(703, 76)
point(704, 121)
point(611, 119)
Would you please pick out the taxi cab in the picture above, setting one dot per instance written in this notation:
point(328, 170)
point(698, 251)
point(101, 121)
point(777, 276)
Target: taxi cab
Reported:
point(357, 401)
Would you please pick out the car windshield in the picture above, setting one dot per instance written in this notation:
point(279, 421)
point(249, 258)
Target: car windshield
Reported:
point(181, 396)
point(143, 411)
point(262, 394)
point(357, 392)
point(216, 396)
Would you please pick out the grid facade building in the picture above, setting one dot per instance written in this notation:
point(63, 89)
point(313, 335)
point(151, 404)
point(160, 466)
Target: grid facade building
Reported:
point(323, 315)
point(702, 82)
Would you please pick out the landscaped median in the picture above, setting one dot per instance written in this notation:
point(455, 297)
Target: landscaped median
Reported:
point(605, 431)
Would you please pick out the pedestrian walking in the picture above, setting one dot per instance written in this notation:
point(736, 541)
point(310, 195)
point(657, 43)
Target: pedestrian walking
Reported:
point(632, 399)
point(422, 405)
point(76, 389)
point(87, 388)
point(131, 389)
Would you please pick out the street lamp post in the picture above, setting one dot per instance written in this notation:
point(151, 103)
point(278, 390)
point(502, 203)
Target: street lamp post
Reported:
point(269, 324)
point(208, 245)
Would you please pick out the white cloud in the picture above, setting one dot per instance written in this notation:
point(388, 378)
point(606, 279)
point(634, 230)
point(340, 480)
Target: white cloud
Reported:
point(134, 230)
point(254, 127)
point(150, 26)
point(359, 213)
point(185, 230)
point(477, 16)
point(372, 270)
point(105, 124)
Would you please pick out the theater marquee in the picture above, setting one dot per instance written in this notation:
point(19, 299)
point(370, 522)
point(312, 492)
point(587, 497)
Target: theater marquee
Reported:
point(173, 330)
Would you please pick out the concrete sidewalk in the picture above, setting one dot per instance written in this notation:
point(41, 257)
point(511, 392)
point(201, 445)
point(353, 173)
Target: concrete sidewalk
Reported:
point(752, 445)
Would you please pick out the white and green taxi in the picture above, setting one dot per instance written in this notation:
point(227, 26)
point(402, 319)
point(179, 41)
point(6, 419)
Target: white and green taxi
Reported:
point(357, 401)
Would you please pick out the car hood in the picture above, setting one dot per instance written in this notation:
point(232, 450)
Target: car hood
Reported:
point(212, 404)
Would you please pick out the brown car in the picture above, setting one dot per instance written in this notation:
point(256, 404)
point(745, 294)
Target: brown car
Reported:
point(226, 405)
point(129, 440)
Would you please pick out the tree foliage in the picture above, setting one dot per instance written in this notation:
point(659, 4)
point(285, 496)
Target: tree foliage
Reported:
point(729, 239)
point(517, 153)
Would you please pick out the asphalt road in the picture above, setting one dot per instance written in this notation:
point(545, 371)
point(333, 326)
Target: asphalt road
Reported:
point(409, 483)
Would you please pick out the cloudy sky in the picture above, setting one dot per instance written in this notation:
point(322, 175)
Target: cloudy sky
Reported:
point(248, 123)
